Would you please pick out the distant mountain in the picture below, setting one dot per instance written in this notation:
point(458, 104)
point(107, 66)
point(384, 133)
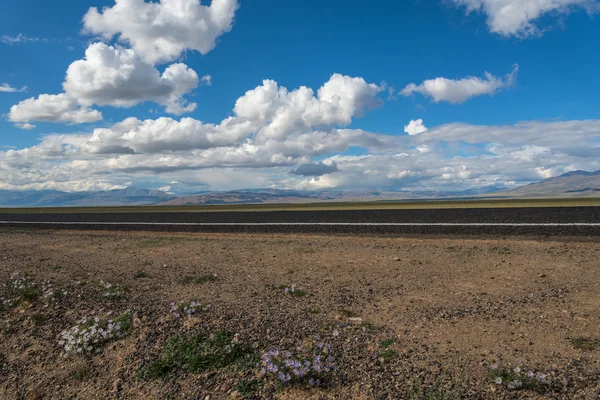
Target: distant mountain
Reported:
point(53, 198)
point(571, 184)
point(258, 196)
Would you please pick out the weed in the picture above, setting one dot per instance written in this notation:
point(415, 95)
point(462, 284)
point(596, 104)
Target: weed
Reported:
point(38, 318)
point(113, 291)
point(202, 352)
point(20, 288)
point(585, 343)
point(367, 327)
point(388, 355)
point(247, 387)
point(385, 343)
point(185, 308)
point(517, 379)
point(126, 321)
point(306, 250)
point(90, 334)
point(80, 372)
point(162, 241)
point(348, 313)
point(140, 274)
point(501, 250)
point(292, 290)
point(200, 280)
point(310, 362)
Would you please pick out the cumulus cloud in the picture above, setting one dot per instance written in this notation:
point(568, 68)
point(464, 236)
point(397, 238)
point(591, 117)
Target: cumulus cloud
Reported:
point(280, 112)
point(117, 76)
point(51, 108)
point(296, 139)
point(317, 169)
point(518, 17)
point(458, 91)
point(6, 88)
point(415, 127)
point(282, 121)
point(161, 31)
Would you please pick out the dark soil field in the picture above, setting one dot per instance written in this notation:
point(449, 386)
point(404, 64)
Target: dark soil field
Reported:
point(140, 315)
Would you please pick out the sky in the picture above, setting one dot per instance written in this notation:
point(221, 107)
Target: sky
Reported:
point(187, 95)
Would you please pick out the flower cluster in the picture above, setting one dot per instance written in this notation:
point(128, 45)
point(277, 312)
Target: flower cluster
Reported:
point(516, 378)
point(289, 289)
point(48, 294)
point(21, 287)
point(112, 291)
point(310, 362)
point(292, 290)
point(185, 308)
point(89, 335)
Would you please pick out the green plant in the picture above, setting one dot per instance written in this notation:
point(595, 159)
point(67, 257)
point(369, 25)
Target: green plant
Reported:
point(349, 314)
point(585, 343)
point(140, 274)
point(388, 355)
point(306, 250)
point(247, 387)
point(517, 379)
point(80, 373)
point(385, 343)
point(38, 318)
point(201, 352)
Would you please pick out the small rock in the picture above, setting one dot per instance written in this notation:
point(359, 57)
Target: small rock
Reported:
point(356, 320)
point(236, 395)
point(117, 385)
point(397, 259)
point(137, 323)
point(207, 397)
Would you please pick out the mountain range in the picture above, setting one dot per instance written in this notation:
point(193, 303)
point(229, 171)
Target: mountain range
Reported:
point(571, 184)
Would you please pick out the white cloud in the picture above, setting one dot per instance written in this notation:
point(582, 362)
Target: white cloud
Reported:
point(280, 112)
point(415, 127)
point(206, 80)
point(161, 31)
point(116, 76)
point(281, 121)
point(518, 17)
point(25, 125)
point(52, 108)
point(6, 88)
point(459, 91)
point(242, 150)
point(19, 39)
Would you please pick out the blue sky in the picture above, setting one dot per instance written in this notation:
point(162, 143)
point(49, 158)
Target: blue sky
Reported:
point(533, 117)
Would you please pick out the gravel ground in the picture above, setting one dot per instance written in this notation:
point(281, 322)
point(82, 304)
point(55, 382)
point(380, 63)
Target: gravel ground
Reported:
point(401, 318)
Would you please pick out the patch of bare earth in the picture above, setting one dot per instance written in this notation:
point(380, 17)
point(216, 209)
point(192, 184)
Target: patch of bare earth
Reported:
point(401, 318)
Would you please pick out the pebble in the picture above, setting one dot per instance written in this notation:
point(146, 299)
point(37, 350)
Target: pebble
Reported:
point(236, 395)
point(117, 385)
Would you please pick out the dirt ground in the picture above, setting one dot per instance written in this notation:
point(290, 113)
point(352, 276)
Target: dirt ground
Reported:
point(403, 318)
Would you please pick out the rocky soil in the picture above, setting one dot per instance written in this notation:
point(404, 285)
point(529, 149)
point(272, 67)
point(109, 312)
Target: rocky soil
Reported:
point(189, 316)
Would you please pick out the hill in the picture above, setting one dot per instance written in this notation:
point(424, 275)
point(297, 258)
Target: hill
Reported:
point(571, 184)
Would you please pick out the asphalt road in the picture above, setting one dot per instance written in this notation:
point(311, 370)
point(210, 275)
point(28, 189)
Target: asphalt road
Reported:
point(568, 221)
